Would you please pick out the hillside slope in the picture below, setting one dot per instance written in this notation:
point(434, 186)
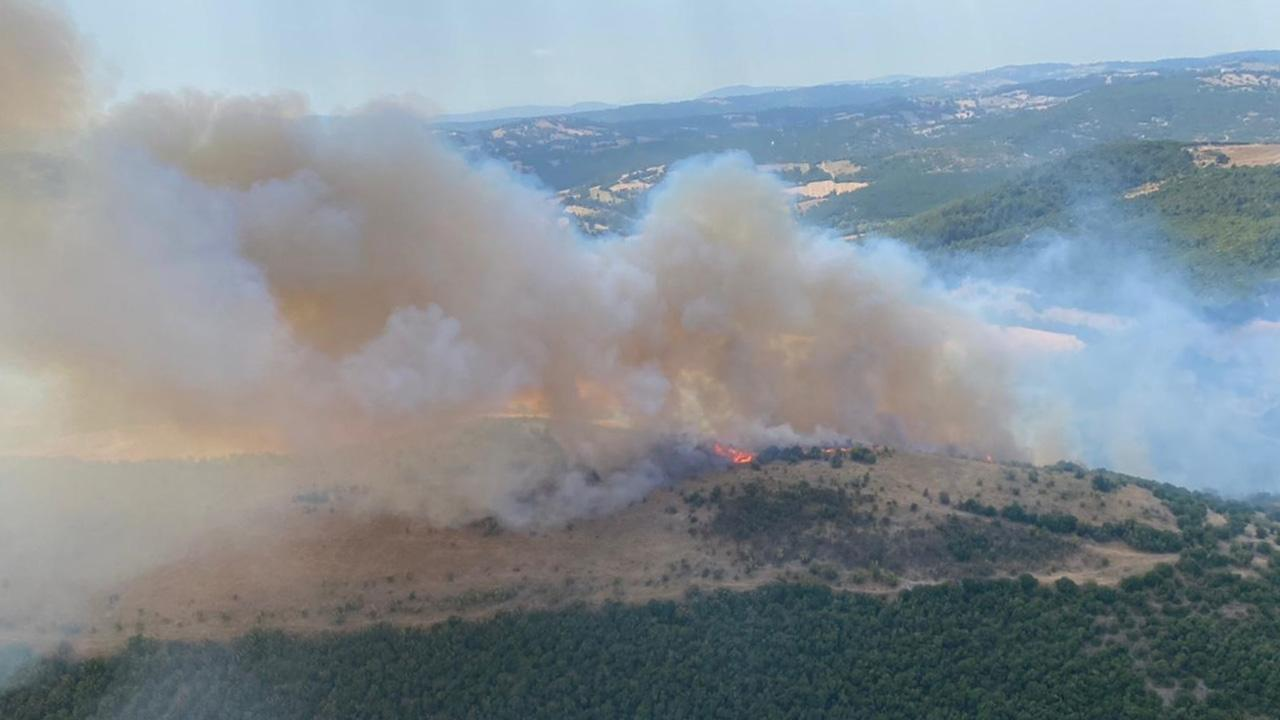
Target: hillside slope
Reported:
point(857, 582)
point(1216, 217)
point(860, 521)
point(919, 142)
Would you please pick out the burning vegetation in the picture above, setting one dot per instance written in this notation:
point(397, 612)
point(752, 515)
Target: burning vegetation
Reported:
point(736, 456)
point(836, 454)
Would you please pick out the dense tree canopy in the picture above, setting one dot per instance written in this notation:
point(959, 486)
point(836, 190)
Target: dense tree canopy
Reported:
point(1222, 225)
point(1184, 642)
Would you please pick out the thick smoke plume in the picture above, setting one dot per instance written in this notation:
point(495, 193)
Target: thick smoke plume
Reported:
point(202, 273)
point(41, 77)
point(190, 275)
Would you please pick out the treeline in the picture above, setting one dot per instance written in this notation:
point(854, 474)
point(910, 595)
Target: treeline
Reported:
point(1181, 642)
point(797, 453)
point(1137, 535)
point(1221, 225)
point(1190, 509)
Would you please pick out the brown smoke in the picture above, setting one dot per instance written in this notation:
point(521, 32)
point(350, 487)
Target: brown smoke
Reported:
point(41, 82)
point(191, 274)
point(250, 275)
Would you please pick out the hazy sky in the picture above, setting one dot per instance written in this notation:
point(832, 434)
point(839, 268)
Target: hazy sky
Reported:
point(475, 54)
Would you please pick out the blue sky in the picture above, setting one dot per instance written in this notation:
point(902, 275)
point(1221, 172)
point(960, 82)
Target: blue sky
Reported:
point(463, 55)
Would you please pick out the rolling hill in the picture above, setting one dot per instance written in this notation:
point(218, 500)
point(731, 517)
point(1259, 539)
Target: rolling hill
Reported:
point(792, 582)
point(821, 576)
point(1215, 216)
point(919, 142)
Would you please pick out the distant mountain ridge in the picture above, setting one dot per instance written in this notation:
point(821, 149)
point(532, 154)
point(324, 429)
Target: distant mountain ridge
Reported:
point(520, 112)
point(749, 98)
point(741, 91)
point(968, 163)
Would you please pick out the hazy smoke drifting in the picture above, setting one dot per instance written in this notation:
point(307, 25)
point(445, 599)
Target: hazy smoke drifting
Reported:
point(1142, 375)
point(41, 80)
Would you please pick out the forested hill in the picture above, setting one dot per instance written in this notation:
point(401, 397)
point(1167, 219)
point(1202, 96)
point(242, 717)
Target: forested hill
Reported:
point(893, 148)
point(1219, 219)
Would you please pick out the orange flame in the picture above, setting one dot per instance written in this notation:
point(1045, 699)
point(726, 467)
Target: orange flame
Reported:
point(737, 456)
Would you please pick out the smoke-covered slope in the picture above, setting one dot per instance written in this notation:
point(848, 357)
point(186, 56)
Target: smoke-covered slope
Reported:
point(344, 542)
point(1109, 596)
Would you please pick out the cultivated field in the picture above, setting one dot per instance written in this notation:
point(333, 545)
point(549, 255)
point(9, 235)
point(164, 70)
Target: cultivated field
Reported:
point(1248, 155)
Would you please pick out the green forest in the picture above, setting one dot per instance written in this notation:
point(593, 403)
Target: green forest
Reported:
point(1221, 224)
point(1177, 643)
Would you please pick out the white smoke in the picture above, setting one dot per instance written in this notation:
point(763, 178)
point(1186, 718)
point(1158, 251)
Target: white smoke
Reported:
point(1143, 376)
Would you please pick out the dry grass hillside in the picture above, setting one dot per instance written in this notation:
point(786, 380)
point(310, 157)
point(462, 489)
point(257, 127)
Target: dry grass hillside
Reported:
point(1238, 155)
point(874, 522)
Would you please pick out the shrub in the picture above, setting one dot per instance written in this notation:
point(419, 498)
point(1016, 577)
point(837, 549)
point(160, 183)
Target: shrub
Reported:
point(1102, 483)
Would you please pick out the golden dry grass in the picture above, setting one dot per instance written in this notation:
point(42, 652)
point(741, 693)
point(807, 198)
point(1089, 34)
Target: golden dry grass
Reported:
point(1248, 155)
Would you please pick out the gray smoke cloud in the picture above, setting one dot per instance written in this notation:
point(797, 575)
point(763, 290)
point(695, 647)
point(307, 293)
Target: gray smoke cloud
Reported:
point(41, 74)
